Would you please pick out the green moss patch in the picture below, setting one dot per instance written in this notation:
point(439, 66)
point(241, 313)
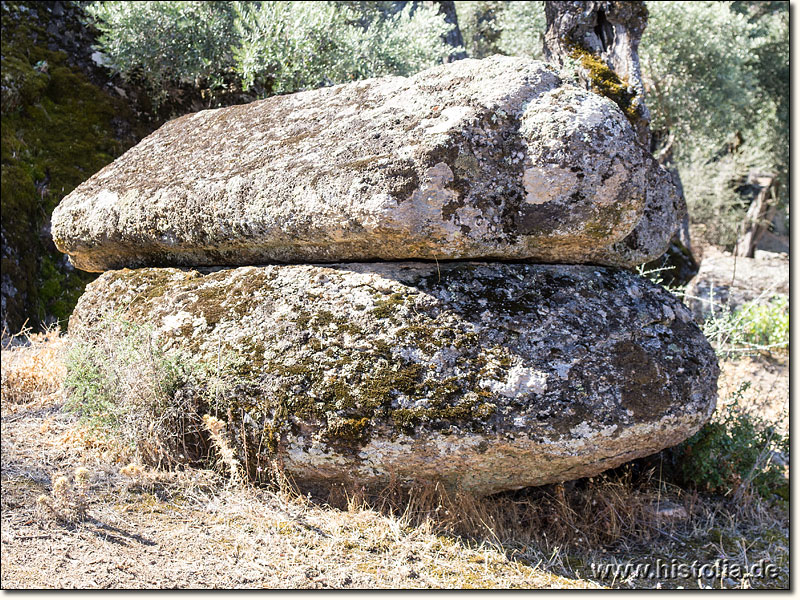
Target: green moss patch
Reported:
point(56, 132)
point(606, 82)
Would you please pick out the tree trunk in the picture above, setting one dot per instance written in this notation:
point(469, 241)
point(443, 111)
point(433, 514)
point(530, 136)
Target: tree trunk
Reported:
point(759, 216)
point(603, 37)
point(453, 37)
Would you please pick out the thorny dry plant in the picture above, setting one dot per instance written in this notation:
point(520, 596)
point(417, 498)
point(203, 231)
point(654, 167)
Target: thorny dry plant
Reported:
point(217, 429)
point(69, 499)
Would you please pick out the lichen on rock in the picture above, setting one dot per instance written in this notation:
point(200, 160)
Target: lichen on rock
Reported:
point(495, 159)
point(483, 376)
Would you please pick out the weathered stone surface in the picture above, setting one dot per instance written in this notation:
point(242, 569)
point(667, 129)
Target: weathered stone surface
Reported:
point(491, 159)
point(484, 376)
point(664, 209)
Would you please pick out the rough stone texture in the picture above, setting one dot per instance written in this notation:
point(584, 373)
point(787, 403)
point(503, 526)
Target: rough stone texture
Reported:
point(664, 209)
point(483, 376)
point(726, 280)
point(492, 159)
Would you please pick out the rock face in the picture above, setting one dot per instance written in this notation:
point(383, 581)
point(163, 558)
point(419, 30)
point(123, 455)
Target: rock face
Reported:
point(483, 376)
point(663, 210)
point(59, 126)
point(491, 159)
point(730, 281)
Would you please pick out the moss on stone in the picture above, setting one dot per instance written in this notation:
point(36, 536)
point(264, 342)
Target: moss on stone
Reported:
point(605, 81)
point(348, 430)
point(472, 413)
point(421, 336)
point(56, 132)
point(385, 307)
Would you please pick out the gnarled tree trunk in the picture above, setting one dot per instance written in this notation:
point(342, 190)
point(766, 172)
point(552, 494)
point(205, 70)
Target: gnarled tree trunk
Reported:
point(759, 215)
point(453, 37)
point(603, 38)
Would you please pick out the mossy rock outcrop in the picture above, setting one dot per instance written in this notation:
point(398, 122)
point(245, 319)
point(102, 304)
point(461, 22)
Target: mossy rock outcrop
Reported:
point(58, 128)
point(494, 159)
point(485, 377)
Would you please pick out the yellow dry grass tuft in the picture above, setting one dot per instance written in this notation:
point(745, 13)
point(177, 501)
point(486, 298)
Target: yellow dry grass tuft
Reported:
point(595, 512)
point(33, 366)
point(217, 429)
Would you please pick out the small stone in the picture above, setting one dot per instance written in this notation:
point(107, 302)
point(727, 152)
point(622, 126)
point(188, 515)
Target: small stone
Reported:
point(670, 511)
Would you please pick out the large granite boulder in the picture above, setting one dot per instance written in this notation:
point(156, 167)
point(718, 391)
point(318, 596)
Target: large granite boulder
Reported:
point(486, 377)
point(490, 159)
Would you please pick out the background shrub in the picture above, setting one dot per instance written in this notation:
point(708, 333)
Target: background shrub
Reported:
point(759, 325)
point(766, 324)
point(733, 453)
point(163, 44)
point(267, 47)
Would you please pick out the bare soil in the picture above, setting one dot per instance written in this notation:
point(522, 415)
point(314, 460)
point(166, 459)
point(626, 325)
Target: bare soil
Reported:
point(150, 528)
point(187, 530)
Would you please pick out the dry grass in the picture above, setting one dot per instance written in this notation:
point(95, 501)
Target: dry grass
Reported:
point(594, 512)
point(32, 366)
point(186, 527)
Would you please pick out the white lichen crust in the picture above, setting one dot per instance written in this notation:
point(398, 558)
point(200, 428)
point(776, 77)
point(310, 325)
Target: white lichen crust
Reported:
point(482, 376)
point(490, 159)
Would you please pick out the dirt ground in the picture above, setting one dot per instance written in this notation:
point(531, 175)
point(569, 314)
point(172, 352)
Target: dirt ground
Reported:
point(187, 530)
point(768, 392)
point(157, 529)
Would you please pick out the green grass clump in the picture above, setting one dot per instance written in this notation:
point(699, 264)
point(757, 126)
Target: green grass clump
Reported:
point(759, 325)
point(765, 324)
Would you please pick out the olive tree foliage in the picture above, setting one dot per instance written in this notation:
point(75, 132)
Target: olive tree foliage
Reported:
point(515, 20)
point(287, 46)
point(695, 59)
point(512, 28)
point(717, 80)
point(166, 43)
point(266, 47)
